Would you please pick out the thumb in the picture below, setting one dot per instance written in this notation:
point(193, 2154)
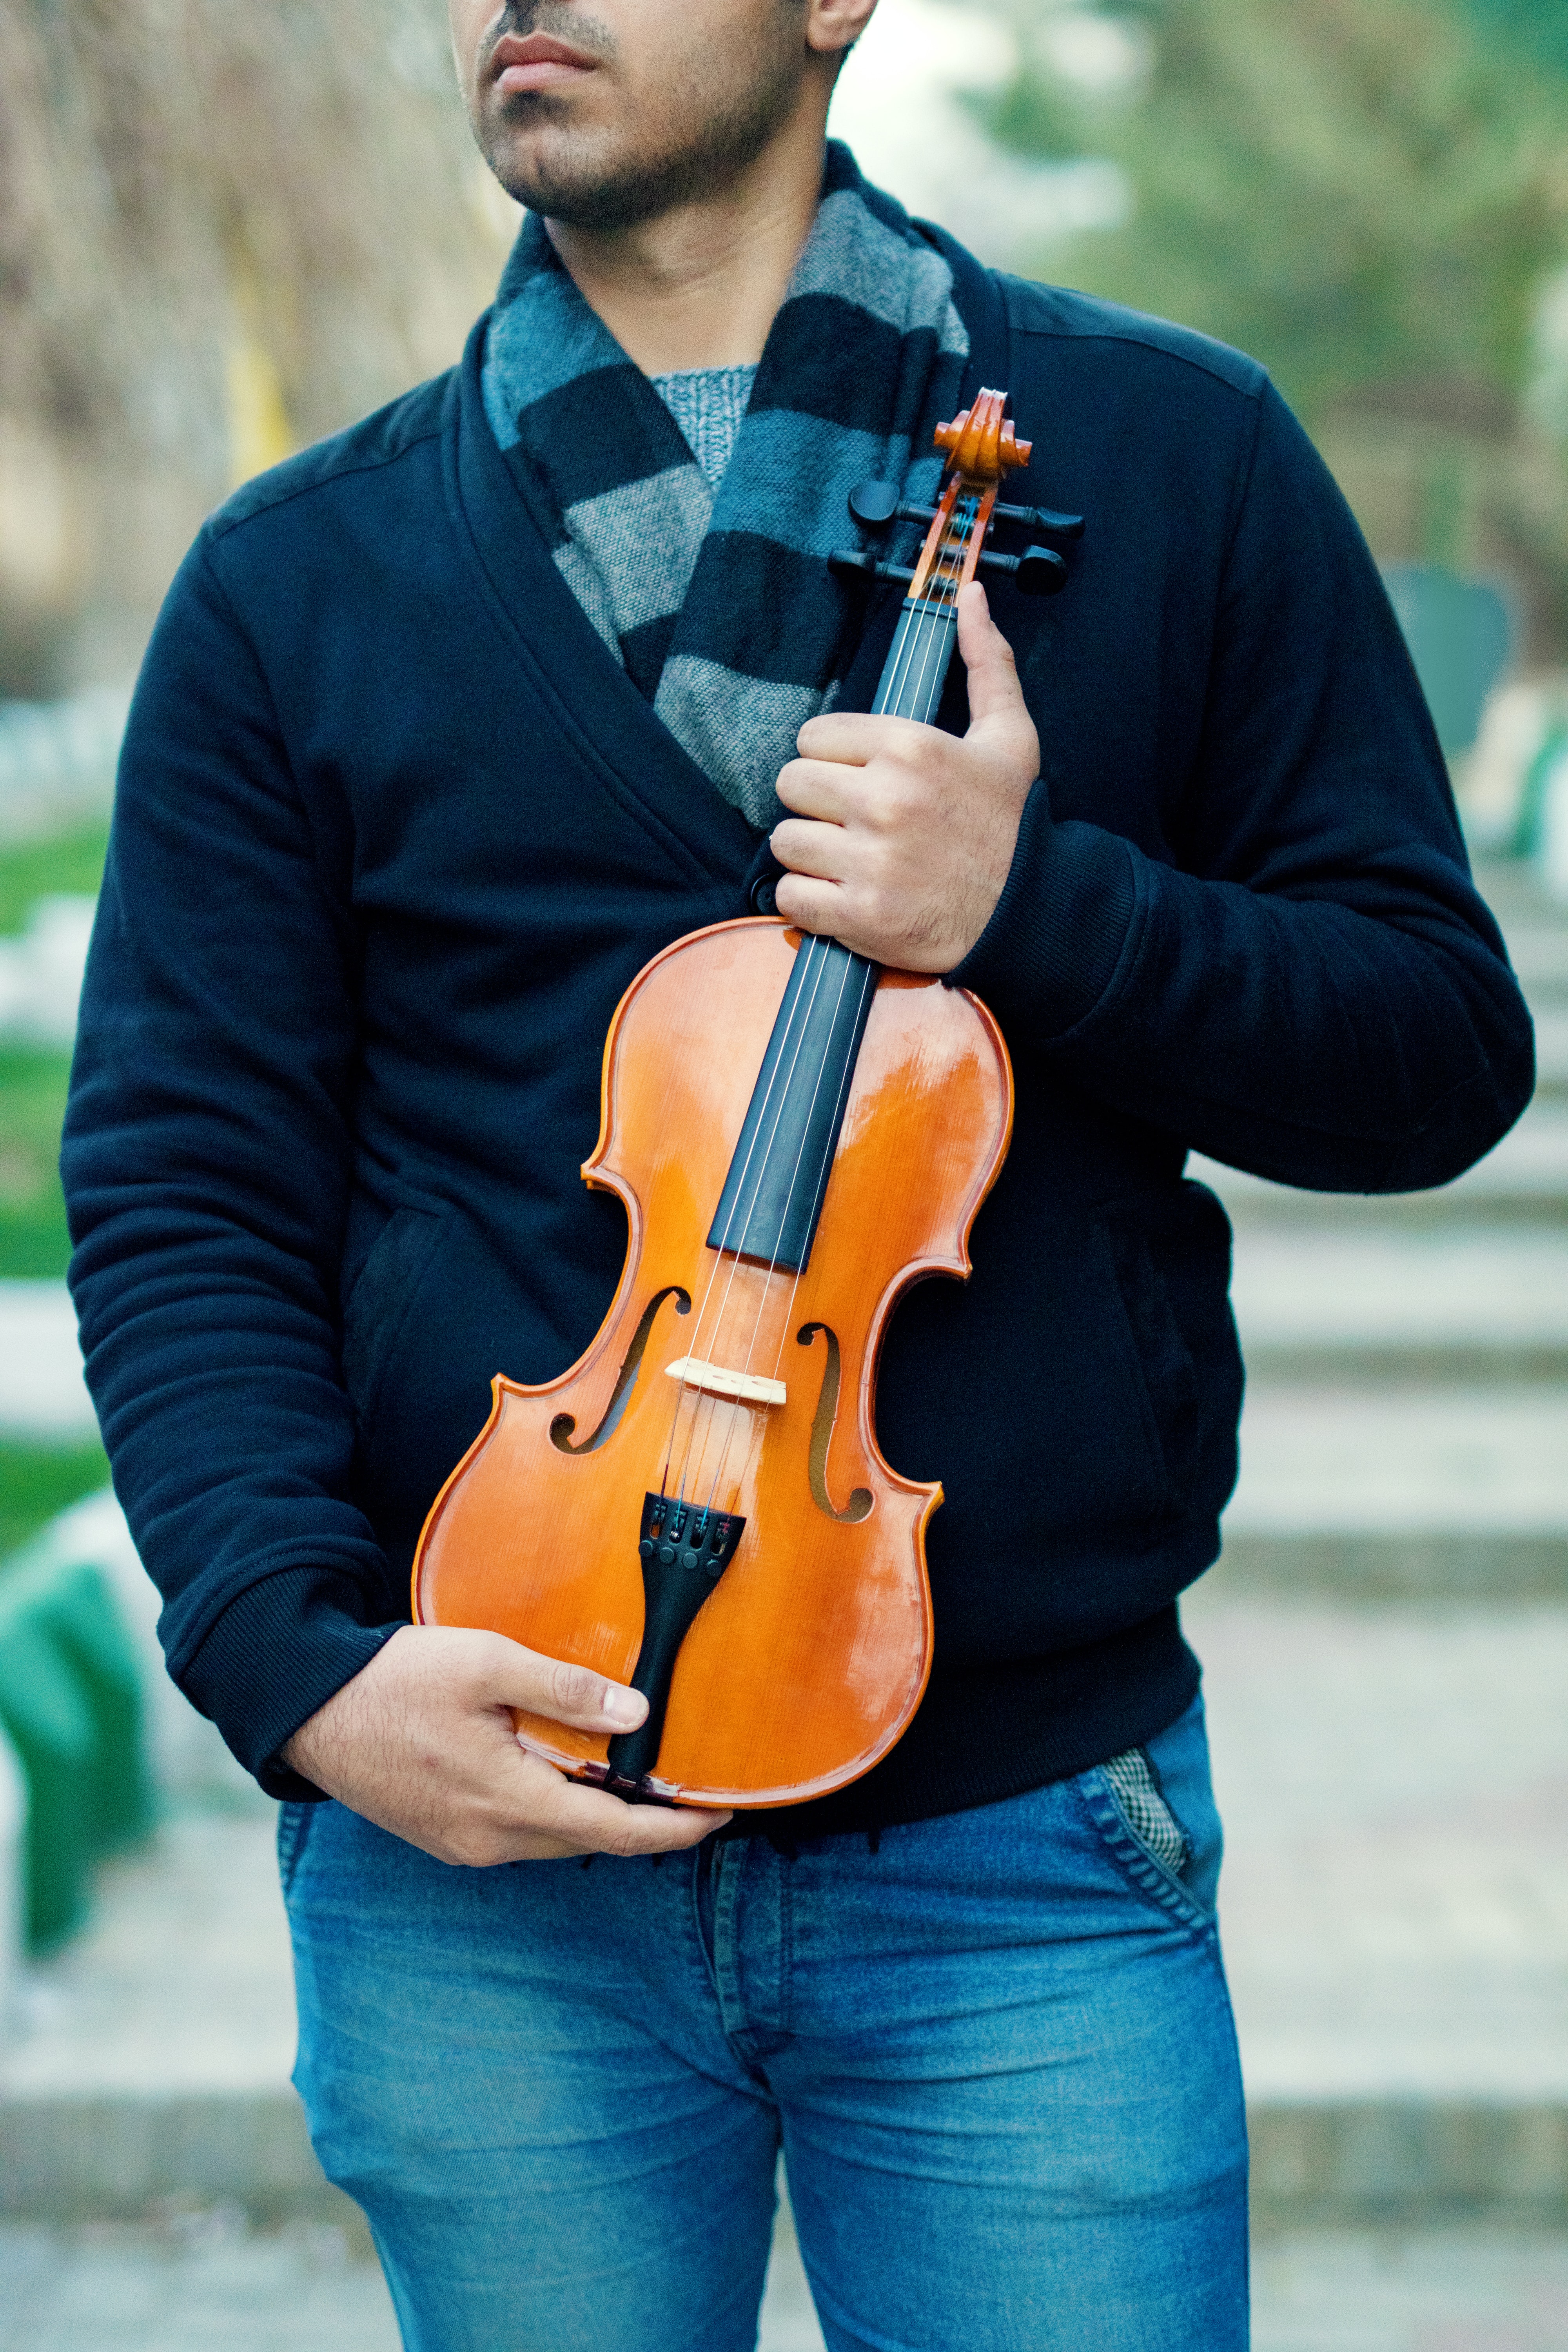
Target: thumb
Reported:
point(993, 689)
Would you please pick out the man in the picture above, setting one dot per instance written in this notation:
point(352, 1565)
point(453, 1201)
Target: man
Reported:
point(451, 724)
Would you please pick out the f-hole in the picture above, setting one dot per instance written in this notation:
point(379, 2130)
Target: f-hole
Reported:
point(562, 1425)
point(860, 1501)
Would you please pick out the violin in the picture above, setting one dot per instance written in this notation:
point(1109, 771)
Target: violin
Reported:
point(699, 1507)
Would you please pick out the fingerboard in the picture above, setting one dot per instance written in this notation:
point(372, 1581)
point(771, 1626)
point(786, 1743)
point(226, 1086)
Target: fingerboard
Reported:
point(778, 1175)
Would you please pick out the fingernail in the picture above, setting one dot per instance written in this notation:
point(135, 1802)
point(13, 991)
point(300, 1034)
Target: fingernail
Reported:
point(624, 1706)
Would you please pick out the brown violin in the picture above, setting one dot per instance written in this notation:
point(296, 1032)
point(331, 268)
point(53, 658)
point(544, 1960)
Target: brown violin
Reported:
point(699, 1506)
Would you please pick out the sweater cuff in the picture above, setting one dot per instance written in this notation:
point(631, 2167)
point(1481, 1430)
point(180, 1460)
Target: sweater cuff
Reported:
point(279, 1651)
point(1057, 933)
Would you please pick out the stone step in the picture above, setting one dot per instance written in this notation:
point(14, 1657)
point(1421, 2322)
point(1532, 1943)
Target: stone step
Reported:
point(1524, 1177)
point(1538, 951)
point(200, 2280)
point(1550, 1050)
point(1326, 2159)
point(1368, 1490)
point(1491, 1461)
point(1395, 1903)
point(1426, 1304)
point(1419, 1565)
point(1395, 1911)
point(43, 1394)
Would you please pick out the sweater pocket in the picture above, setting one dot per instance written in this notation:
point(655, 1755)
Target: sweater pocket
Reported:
point(377, 1309)
point(1167, 1376)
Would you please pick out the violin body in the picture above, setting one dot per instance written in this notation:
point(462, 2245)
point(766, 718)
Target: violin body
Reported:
point(699, 1507)
point(743, 1386)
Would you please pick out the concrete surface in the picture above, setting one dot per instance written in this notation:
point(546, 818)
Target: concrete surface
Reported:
point(1394, 1772)
point(198, 2282)
point(1395, 1907)
point(1500, 1292)
point(42, 1392)
point(1526, 1172)
point(1394, 1785)
point(1394, 1459)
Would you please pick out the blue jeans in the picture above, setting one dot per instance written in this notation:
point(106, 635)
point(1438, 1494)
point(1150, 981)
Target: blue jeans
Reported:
point(997, 2054)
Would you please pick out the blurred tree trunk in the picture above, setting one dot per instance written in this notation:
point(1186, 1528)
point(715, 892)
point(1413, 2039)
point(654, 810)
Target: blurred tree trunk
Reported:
point(222, 227)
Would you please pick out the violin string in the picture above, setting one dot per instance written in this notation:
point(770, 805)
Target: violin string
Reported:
point(906, 649)
point(869, 980)
point(693, 1347)
point(925, 643)
point(686, 1387)
point(744, 1208)
point(928, 622)
point(765, 1286)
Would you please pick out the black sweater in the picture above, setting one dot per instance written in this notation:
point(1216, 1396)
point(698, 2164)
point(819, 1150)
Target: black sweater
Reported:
point(393, 834)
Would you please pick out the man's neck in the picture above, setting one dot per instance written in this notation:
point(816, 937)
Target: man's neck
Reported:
point(699, 285)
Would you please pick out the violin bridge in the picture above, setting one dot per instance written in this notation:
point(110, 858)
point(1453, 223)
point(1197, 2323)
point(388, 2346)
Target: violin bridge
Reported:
point(716, 1379)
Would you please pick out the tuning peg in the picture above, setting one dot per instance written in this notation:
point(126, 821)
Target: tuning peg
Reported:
point(873, 505)
point(1041, 518)
point(871, 567)
point(1041, 572)
point(1038, 572)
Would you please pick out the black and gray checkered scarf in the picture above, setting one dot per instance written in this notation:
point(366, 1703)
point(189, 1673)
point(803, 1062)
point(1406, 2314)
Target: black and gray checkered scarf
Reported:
point(719, 607)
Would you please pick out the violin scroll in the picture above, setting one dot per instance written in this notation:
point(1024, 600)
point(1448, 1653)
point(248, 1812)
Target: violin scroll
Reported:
point(981, 442)
point(982, 448)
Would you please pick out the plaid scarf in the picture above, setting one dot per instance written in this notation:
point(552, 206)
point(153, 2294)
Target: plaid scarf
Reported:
point(719, 608)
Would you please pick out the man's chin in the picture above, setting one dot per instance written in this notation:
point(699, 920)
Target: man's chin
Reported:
point(586, 198)
point(593, 175)
point(553, 169)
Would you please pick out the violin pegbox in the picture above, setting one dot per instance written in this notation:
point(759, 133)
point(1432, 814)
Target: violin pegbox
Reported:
point(982, 449)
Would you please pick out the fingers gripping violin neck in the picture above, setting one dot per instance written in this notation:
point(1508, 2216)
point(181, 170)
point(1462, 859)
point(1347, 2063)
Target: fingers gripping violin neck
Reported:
point(699, 1506)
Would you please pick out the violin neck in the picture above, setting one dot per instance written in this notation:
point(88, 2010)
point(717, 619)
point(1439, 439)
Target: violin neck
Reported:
point(774, 1192)
point(916, 668)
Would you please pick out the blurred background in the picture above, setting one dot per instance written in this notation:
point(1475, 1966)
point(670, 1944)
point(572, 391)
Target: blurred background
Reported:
point(224, 232)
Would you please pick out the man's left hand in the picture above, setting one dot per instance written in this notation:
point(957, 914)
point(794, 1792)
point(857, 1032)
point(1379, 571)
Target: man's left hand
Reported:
point(902, 836)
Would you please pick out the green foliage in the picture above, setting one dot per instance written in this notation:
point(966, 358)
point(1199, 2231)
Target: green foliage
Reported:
point(33, 1236)
point(33, 1080)
point(30, 870)
point(1535, 30)
point(37, 1481)
point(1359, 192)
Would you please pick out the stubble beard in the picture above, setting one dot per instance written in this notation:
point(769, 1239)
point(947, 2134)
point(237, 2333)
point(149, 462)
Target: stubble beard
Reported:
point(706, 133)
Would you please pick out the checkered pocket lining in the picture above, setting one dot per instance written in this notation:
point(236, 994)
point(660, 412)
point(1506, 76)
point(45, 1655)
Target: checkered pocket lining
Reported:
point(1145, 1811)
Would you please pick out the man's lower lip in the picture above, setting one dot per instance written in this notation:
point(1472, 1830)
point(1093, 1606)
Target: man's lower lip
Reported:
point(550, 73)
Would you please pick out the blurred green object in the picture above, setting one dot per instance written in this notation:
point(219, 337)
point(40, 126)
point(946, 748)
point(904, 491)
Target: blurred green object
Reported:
point(34, 1239)
point(30, 870)
point(1460, 634)
point(39, 1480)
point(70, 1702)
point(1531, 823)
point(1537, 28)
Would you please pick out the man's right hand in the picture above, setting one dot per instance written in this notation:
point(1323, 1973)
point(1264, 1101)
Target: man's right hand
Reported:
point(421, 1742)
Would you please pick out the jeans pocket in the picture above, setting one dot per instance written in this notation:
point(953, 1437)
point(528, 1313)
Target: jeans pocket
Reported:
point(1154, 1808)
point(293, 1829)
